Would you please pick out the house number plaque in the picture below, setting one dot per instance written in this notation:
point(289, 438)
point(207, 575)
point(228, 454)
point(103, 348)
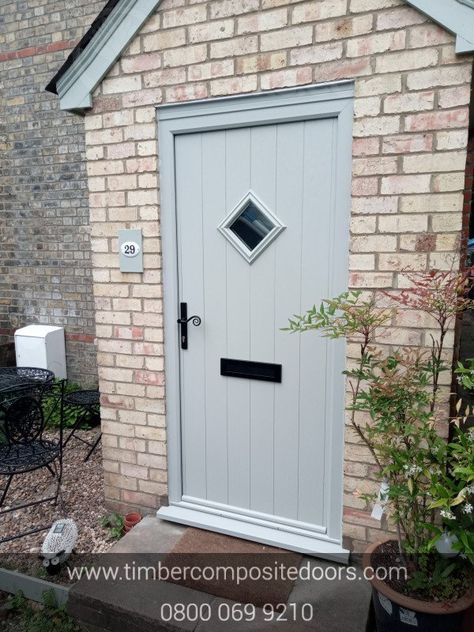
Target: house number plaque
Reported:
point(130, 250)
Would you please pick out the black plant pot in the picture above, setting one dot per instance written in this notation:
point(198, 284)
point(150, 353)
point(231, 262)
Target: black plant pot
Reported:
point(394, 612)
point(392, 617)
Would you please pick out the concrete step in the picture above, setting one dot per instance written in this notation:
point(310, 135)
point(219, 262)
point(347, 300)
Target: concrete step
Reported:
point(124, 605)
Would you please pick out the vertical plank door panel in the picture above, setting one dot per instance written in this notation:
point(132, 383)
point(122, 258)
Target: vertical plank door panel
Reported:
point(190, 257)
point(262, 325)
point(289, 209)
point(215, 322)
point(238, 169)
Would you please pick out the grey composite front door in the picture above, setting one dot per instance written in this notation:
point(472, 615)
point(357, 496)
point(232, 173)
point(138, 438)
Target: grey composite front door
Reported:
point(261, 234)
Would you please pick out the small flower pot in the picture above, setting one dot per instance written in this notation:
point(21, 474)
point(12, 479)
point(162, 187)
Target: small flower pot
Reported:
point(395, 612)
point(131, 519)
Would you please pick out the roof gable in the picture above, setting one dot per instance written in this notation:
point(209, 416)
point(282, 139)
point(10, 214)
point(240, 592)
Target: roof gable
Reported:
point(110, 33)
point(120, 20)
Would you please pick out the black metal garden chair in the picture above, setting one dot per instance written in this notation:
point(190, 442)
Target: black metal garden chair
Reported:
point(23, 449)
point(88, 403)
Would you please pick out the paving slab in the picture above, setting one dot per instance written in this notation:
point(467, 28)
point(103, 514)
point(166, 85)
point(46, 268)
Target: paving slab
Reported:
point(133, 607)
point(144, 605)
point(150, 535)
point(339, 603)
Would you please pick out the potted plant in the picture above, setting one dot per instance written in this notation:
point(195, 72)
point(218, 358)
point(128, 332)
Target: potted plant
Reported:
point(425, 481)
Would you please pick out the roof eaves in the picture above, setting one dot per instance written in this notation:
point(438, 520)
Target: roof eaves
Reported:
point(82, 44)
point(101, 46)
point(470, 3)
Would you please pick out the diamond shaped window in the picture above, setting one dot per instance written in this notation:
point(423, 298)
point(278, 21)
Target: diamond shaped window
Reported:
point(251, 227)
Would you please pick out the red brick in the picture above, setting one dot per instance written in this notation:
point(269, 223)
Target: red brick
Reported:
point(365, 146)
point(365, 186)
point(148, 377)
point(407, 143)
point(437, 120)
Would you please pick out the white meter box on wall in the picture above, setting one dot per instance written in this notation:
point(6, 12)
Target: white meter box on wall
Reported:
point(130, 243)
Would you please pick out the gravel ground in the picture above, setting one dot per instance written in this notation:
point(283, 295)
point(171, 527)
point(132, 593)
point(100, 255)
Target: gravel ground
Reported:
point(81, 499)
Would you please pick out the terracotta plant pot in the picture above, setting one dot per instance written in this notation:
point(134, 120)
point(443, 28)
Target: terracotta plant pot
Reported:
point(131, 519)
point(395, 612)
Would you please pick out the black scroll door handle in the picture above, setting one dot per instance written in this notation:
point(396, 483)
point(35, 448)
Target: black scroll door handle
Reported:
point(183, 323)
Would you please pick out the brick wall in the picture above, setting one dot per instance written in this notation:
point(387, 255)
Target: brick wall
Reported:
point(45, 268)
point(409, 154)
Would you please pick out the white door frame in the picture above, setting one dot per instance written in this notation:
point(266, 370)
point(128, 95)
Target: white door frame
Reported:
point(331, 100)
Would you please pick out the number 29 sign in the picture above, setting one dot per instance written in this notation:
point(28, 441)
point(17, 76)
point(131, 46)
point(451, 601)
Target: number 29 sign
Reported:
point(130, 250)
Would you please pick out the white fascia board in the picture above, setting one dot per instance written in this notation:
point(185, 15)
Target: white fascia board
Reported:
point(454, 16)
point(76, 86)
point(463, 46)
point(470, 3)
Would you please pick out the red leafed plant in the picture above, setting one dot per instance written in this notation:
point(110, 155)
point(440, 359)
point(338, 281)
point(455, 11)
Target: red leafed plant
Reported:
point(442, 294)
point(393, 411)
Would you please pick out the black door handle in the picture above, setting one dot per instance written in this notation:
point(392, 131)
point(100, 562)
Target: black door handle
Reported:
point(183, 323)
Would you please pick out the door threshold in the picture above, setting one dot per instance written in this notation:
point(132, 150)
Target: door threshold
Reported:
point(257, 533)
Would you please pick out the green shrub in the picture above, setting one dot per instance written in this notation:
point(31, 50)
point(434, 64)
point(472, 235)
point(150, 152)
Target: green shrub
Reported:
point(114, 523)
point(465, 374)
point(28, 618)
point(52, 408)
